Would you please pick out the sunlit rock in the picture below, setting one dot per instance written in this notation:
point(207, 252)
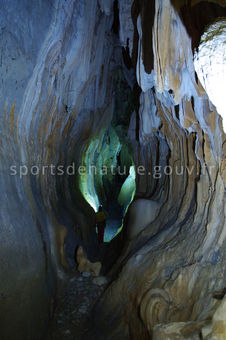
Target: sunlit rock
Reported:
point(210, 65)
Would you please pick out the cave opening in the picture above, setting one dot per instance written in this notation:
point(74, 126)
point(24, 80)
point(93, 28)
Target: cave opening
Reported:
point(107, 175)
point(108, 178)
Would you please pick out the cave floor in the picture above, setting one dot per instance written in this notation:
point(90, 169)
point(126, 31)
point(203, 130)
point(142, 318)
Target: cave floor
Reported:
point(77, 296)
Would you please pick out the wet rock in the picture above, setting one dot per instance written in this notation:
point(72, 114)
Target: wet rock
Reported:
point(100, 281)
point(86, 274)
point(74, 307)
point(80, 278)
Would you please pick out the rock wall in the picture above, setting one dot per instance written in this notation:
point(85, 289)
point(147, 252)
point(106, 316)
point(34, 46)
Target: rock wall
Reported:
point(57, 66)
point(173, 261)
point(56, 93)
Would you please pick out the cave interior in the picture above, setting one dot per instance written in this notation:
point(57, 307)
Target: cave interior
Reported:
point(118, 104)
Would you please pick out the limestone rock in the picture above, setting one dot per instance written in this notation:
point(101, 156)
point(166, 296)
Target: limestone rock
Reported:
point(86, 274)
point(60, 71)
point(219, 322)
point(100, 281)
point(176, 331)
point(84, 265)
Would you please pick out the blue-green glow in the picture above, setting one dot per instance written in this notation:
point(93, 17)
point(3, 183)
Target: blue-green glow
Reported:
point(128, 188)
point(127, 193)
point(102, 188)
point(86, 180)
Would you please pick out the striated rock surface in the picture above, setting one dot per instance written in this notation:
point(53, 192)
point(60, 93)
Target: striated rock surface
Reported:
point(59, 95)
point(174, 258)
point(55, 95)
point(177, 330)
